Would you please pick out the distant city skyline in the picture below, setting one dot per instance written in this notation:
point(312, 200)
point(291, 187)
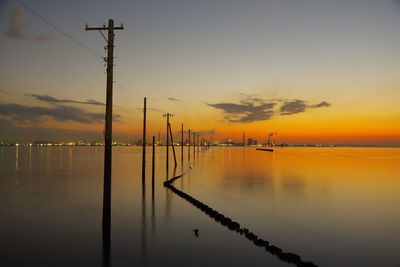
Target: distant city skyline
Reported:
point(320, 72)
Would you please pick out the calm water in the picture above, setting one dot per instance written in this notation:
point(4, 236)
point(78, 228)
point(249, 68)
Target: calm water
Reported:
point(333, 206)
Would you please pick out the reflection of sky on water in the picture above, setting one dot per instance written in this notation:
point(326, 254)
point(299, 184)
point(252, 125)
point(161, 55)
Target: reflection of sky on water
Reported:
point(337, 207)
point(54, 216)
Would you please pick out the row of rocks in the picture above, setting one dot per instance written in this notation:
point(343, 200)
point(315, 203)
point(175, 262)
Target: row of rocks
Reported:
point(235, 226)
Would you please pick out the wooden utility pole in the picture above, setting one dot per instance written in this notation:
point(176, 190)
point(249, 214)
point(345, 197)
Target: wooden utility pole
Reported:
point(153, 163)
point(182, 144)
point(144, 145)
point(108, 122)
point(198, 143)
point(172, 144)
point(194, 145)
point(189, 146)
point(167, 142)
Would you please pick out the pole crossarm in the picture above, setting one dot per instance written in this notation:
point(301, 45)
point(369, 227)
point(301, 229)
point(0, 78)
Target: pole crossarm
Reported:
point(102, 28)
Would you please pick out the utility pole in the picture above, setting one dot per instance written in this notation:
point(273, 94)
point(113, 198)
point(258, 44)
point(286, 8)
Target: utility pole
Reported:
point(153, 163)
point(189, 146)
point(108, 123)
point(172, 144)
point(194, 145)
point(144, 145)
point(198, 143)
point(182, 144)
point(167, 142)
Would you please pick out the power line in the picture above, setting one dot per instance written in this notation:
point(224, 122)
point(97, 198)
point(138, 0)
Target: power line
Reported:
point(59, 29)
point(76, 41)
point(120, 87)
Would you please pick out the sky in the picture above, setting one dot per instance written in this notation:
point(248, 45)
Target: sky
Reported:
point(322, 72)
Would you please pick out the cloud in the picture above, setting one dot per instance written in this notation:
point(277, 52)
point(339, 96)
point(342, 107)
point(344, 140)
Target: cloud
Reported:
point(249, 110)
point(293, 107)
point(35, 114)
point(174, 99)
point(53, 100)
point(298, 106)
point(17, 29)
point(252, 108)
point(321, 105)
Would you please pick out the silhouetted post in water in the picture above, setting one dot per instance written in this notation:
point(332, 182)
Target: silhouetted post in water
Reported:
point(198, 143)
point(108, 127)
point(144, 144)
point(182, 144)
point(159, 138)
point(172, 144)
point(189, 146)
point(167, 150)
point(153, 163)
point(194, 145)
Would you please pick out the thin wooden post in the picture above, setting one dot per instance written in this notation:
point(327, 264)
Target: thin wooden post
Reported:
point(172, 144)
point(182, 144)
point(167, 154)
point(144, 144)
point(194, 145)
point(189, 146)
point(153, 163)
point(198, 143)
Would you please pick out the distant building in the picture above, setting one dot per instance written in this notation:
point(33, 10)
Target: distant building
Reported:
point(250, 141)
point(138, 142)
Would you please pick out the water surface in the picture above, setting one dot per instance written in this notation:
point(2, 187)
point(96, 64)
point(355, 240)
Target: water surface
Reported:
point(333, 206)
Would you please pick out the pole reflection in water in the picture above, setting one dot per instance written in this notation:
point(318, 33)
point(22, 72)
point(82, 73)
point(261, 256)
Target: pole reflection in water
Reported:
point(70, 160)
point(16, 166)
point(30, 160)
point(143, 232)
point(153, 218)
point(153, 212)
point(16, 158)
point(1, 157)
point(106, 247)
point(182, 179)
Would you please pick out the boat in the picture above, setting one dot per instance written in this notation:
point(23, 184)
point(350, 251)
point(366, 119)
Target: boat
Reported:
point(265, 149)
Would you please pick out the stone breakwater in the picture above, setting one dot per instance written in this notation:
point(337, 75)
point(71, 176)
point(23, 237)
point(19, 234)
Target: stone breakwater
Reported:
point(236, 227)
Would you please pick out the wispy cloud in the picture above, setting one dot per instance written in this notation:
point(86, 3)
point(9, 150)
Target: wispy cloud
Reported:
point(293, 107)
point(321, 105)
point(298, 106)
point(17, 29)
point(35, 114)
point(248, 110)
point(53, 100)
point(252, 108)
point(174, 99)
